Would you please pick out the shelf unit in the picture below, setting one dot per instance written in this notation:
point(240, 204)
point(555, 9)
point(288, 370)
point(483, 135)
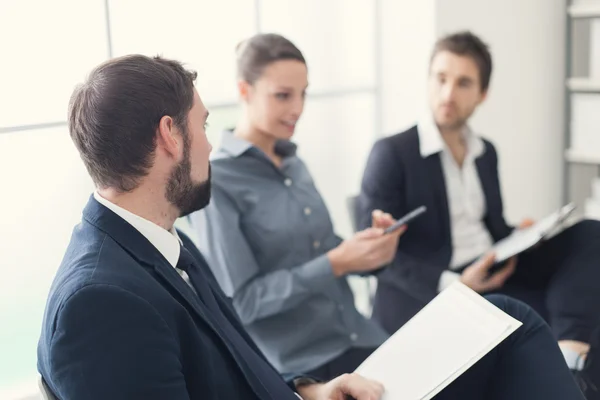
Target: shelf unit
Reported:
point(581, 164)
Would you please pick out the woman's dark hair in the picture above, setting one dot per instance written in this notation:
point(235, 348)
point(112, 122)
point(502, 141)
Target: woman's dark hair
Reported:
point(256, 53)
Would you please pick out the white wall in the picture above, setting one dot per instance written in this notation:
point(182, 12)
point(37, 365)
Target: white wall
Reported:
point(524, 112)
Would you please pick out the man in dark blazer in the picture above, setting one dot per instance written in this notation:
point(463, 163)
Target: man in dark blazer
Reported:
point(442, 164)
point(134, 312)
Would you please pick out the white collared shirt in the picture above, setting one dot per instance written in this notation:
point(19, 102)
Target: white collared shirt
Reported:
point(466, 200)
point(166, 242)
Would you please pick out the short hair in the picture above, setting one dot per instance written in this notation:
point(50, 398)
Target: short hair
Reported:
point(114, 115)
point(466, 43)
point(256, 53)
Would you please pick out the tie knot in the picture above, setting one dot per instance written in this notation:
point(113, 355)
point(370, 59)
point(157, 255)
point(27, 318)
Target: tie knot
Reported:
point(186, 260)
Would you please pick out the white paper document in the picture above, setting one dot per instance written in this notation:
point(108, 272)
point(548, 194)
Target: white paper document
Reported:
point(517, 242)
point(523, 239)
point(448, 336)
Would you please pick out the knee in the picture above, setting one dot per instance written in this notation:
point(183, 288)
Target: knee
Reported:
point(587, 227)
point(516, 309)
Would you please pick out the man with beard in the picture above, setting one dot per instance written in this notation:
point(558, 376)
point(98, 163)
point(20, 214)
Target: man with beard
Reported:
point(134, 312)
point(442, 164)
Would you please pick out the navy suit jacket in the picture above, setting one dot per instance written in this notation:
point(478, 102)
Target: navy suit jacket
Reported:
point(120, 323)
point(398, 179)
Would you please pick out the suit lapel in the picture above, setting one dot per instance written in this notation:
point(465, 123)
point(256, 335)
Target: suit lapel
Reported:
point(222, 301)
point(485, 179)
point(132, 241)
point(140, 248)
point(174, 281)
point(438, 186)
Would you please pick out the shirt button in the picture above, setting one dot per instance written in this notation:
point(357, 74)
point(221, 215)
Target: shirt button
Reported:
point(316, 244)
point(288, 182)
point(353, 337)
point(307, 211)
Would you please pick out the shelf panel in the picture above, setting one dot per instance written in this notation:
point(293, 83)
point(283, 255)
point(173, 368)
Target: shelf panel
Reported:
point(582, 157)
point(584, 9)
point(584, 85)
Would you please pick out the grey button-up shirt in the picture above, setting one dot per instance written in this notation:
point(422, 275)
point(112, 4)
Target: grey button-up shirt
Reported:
point(265, 235)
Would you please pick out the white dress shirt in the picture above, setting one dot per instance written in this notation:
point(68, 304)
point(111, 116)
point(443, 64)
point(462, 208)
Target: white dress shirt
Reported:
point(466, 200)
point(166, 242)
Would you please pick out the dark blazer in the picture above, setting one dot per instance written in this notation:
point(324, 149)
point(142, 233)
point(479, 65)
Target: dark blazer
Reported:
point(398, 179)
point(120, 323)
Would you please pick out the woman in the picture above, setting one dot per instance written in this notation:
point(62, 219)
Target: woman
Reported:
point(270, 234)
point(270, 242)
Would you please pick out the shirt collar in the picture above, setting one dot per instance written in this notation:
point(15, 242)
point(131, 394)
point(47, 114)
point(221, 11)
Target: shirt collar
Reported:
point(166, 242)
point(235, 146)
point(232, 144)
point(431, 141)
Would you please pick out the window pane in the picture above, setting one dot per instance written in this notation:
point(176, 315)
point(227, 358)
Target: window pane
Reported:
point(221, 118)
point(334, 138)
point(47, 48)
point(335, 36)
point(201, 33)
point(407, 38)
point(46, 187)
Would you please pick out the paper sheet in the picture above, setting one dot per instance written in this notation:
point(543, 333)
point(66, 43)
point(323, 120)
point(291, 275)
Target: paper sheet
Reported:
point(523, 239)
point(441, 342)
point(516, 242)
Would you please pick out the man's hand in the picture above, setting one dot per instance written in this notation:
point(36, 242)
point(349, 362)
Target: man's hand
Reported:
point(345, 385)
point(477, 276)
point(526, 223)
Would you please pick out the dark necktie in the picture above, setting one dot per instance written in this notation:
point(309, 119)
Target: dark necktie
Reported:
point(272, 382)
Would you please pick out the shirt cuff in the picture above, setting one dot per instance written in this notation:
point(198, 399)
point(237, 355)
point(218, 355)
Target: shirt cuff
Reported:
point(317, 271)
point(446, 279)
point(304, 380)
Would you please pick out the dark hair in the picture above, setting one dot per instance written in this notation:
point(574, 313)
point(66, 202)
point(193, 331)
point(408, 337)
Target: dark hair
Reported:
point(256, 53)
point(114, 115)
point(466, 43)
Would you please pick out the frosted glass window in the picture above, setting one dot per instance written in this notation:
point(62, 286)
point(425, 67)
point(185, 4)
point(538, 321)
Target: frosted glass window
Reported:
point(335, 36)
point(408, 33)
point(45, 187)
point(334, 138)
point(201, 33)
point(47, 48)
point(221, 118)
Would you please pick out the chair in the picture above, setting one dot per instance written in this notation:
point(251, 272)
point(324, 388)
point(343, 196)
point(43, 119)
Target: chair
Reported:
point(45, 390)
point(351, 205)
point(370, 282)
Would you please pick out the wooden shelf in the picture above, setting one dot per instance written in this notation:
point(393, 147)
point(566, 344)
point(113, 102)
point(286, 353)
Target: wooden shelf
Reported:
point(582, 157)
point(585, 9)
point(584, 85)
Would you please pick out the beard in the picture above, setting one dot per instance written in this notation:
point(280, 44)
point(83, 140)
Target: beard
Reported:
point(458, 121)
point(185, 194)
point(455, 124)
